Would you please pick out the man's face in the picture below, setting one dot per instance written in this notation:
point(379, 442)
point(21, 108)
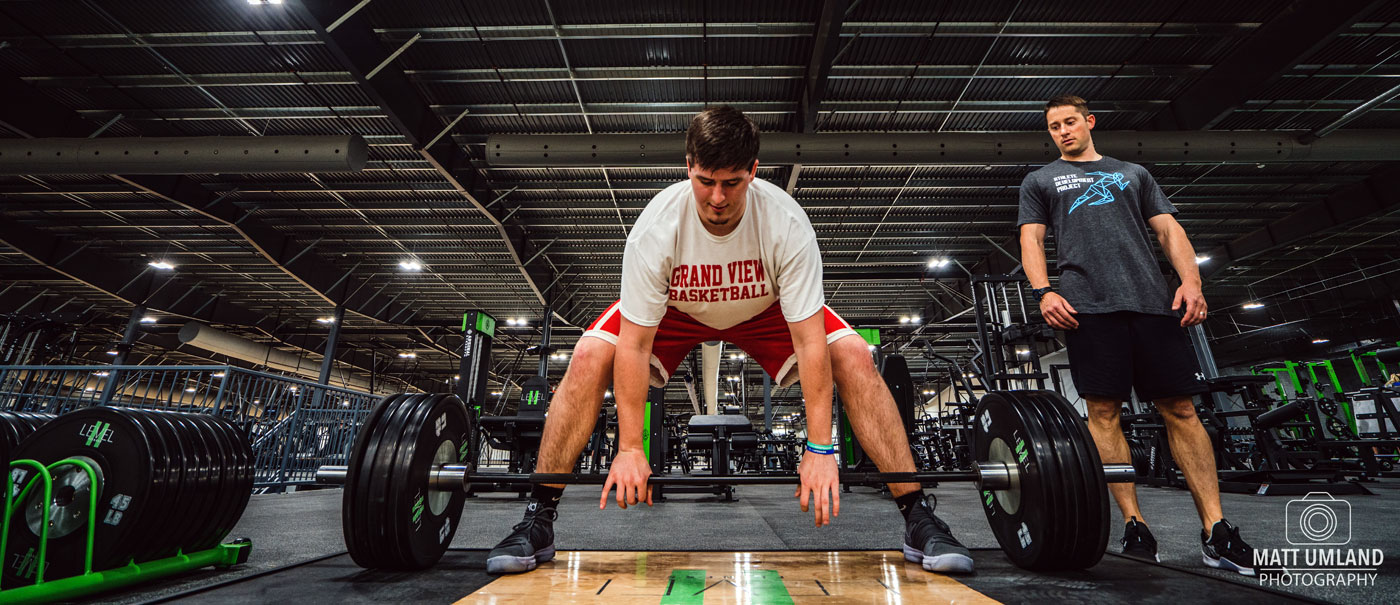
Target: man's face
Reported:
point(720, 195)
point(1070, 129)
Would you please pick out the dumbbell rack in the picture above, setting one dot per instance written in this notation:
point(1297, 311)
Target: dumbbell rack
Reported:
point(94, 582)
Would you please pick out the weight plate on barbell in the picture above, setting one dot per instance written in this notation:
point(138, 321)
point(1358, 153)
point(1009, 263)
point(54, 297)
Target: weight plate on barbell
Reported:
point(241, 470)
point(1092, 487)
point(213, 487)
point(423, 520)
point(1023, 517)
point(177, 516)
point(364, 537)
point(120, 450)
point(1071, 499)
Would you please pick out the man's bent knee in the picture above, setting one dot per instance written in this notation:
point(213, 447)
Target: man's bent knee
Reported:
point(1104, 412)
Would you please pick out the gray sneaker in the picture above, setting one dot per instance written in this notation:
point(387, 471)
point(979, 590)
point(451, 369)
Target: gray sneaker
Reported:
point(530, 543)
point(929, 542)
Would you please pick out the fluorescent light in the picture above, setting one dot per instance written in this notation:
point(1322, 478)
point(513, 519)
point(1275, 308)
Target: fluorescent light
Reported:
point(217, 375)
point(938, 262)
point(733, 379)
point(915, 319)
point(457, 377)
point(189, 389)
point(1318, 341)
point(1023, 351)
point(408, 355)
point(495, 393)
point(102, 373)
point(1202, 258)
point(904, 320)
point(112, 352)
point(326, 320)
point(257, 401)
point(345, 403)
point(160, 264)
point(148, 320)
point(293, 389)
point(89, 390)
point(411, 265)
point(1252, 305)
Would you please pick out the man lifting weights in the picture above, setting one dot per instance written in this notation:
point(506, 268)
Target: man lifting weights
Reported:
point(724, 256)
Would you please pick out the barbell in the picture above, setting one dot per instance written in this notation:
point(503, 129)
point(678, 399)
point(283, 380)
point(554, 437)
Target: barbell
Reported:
point(1042, 485)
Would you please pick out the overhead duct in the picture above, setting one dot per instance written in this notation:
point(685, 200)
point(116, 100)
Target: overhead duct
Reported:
point(183, 155)
point(863, 149)
point(217, 341)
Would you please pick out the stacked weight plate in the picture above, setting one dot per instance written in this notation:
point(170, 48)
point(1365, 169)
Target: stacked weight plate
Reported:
point(165, 483)
point(1055, 515)
point(15, 426)
point(392, 518)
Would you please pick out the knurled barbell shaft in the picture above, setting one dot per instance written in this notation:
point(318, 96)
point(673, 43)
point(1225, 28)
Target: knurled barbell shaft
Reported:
point(988, 475)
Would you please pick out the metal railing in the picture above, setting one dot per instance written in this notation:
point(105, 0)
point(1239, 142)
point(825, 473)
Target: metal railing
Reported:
point(294, 425)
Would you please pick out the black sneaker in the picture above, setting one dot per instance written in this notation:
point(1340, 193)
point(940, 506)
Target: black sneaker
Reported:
point(1138, 541)
point(530, 543)
point(1223, 549)
point(929, 542)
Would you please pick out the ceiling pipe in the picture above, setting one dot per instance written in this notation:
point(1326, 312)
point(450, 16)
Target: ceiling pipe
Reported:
point(880, 149)
point(183, 155)
point(210, 339)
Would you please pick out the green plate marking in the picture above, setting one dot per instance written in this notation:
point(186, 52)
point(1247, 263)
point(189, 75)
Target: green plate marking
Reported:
point(684, 587)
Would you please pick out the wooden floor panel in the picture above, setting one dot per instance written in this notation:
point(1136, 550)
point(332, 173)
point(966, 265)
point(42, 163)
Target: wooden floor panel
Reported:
point(719, 578)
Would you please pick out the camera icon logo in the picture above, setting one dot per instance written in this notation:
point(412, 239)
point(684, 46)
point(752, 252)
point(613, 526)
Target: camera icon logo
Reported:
point(1317, 519)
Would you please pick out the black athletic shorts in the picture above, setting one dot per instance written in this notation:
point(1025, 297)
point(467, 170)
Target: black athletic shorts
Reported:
point(1112, 354)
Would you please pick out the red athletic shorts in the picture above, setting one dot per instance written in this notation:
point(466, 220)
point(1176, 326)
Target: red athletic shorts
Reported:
point(765, 338)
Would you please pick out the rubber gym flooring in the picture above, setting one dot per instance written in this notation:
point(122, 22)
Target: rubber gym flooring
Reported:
point(761, 548)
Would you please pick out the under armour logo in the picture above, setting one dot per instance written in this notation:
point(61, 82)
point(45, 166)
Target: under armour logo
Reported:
point(1025, 535)
point(533, 506)
point(1200, 376)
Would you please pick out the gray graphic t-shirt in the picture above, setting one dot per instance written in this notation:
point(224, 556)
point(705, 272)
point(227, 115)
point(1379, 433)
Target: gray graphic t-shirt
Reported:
point(1098, 213)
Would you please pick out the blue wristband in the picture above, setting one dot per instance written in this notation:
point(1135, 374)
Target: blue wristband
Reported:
point(821, 449)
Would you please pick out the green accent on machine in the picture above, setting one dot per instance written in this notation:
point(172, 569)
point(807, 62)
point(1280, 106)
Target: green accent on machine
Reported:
point(646, 431)
point(479, 321)
point(871, 335)
point(685, 588)
point(94, 582)
point(848, 435)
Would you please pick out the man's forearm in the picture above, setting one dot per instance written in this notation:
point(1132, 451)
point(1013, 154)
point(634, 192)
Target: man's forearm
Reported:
point(1182, 256)
point(814, 367)
point(1033, 262)
point(630, 380)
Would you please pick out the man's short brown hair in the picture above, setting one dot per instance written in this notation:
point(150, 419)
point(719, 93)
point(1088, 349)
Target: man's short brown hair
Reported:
point(1068, 100)
point(721, 137)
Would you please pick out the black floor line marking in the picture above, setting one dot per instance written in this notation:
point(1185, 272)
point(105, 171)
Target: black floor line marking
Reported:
point(670, 585)
point(882, 583)
point(605, 587)
point(707, 587)
point(819, 585)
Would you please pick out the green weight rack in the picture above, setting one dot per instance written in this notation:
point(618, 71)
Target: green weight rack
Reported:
point(94, 582)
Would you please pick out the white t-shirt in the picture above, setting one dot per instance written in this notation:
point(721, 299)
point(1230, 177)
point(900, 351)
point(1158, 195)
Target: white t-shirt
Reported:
point(671, 260)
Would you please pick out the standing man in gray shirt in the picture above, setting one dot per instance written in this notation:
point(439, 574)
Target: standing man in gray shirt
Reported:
point(1123, 328)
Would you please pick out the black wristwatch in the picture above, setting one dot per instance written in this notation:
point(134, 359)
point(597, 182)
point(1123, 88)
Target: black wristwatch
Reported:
point(1040, 293)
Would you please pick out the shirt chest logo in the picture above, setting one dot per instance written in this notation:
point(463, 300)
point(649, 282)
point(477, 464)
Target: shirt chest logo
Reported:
point(1100, 192)
point(707, 283)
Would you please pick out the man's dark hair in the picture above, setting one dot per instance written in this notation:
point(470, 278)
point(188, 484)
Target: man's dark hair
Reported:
point(1068, 100)
point(721, 137)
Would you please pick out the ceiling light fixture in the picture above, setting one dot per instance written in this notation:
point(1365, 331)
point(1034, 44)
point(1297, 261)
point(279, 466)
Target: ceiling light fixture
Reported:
point(411, 265)
point(1252, 305)
point(1201, 259)
point(160, 264)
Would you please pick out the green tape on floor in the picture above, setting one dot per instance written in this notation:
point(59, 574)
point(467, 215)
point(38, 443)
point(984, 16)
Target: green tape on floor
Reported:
point(766, 586)
point(684, 587)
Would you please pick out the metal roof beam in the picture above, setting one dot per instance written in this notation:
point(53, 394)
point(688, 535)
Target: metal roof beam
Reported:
point(1375, 195)
point(1295, 33)
point(328, 280)
point(825, 40)
point(358, 49)
point(157, 291)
